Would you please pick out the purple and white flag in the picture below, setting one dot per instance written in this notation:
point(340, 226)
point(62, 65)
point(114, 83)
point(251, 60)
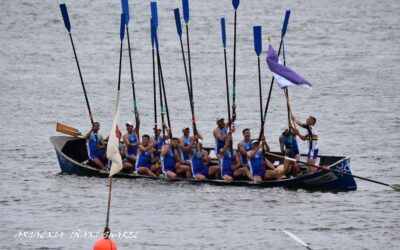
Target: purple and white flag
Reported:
point(283, 75)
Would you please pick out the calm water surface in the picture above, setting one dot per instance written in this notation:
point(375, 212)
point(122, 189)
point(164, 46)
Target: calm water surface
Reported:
point(349, 50)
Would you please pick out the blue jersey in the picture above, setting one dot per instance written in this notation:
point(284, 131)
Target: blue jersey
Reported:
point(160, 142)
point(133, 138)
point(220, 144)
point(226, 163)
point(186, 141)
point(93, 146)
point(168, 162)
point(257, 164)
point(198, 166)
point(291, 143)
point(144, 159)
point(247, 146)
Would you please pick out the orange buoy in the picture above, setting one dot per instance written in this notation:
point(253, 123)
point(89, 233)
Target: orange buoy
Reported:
point(105, 244)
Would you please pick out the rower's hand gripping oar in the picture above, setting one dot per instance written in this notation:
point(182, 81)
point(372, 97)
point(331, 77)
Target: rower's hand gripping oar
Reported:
point(283, 33)
point(64, 13)
point(394, 186)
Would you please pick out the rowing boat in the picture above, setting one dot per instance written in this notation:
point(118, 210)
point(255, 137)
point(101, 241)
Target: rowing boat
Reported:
point(73, 159)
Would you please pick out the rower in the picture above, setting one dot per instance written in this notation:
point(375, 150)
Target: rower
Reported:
point(245, 146)
point(131, 141)
point(311, 137)
point(289, 147)
point(171, 163)
point(127, 165)
point(220, 134)
point(186, 145)
point(95, 146)
point(260, 168)
point(200, 163)
point(145, 157)
point(231, 166)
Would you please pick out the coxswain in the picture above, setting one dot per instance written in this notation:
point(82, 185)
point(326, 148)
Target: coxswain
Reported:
point(311, 137)
point(95, 146)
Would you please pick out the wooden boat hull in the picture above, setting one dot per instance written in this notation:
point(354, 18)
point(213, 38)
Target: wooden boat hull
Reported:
point(71, 153)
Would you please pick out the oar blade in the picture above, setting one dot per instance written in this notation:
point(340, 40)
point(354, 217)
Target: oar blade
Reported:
point(223, 30)
point(185, 7)
point(154, 15)
point(285, 24)
point(125, 9)
point(122, 27)
point(178, 22)
point(235, 4)
point(64, 13)
point(257, 40)
point(395, 187)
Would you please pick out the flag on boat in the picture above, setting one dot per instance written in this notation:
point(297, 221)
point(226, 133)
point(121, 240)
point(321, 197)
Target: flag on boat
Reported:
point(113, 153)
point(283, 75)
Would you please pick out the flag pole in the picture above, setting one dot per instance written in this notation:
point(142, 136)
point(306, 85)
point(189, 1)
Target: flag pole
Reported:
point(121, 34)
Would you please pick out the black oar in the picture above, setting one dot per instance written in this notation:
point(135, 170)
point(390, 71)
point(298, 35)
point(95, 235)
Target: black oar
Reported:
point(185, 7)
point(283, 33)
point(394, 186)
point(223, 32)
point(121, 35)
point(160, 76)
point(188, 81)
point(67, 24)
point(258, 50)
point(152, 28)
point(235, 4)
point(125, 10)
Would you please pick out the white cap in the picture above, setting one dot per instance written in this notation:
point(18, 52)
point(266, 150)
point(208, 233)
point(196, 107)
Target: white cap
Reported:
point(185, 127)
point(219, 119)
point(200, 141)
point(129, 123)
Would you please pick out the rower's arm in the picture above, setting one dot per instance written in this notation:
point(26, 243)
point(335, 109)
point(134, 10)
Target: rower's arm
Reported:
point(223, 150)
point(206, 158)
point(164, 150)
point(251, 153)
point(87, 135)
point(242, 149)
point(145, 148)
point(297, 121)
point(238, 162)
point(126, 141)
point(219, 136)
point(282, 144)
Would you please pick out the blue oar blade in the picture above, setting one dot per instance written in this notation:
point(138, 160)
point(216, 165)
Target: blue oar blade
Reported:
point(185, 7)
point(154, 15)
point(64, 13)
point(122, 27)
point(223, 30)
point(152, 32)
point(178, 22)
point(125, 9)
point(257, 40)
point(285, 24)
point(235, 4)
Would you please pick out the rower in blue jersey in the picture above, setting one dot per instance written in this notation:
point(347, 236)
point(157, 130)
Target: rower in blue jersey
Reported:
point(200, 163)
point(145, 158)
point(245, 146)
point(171, 163)
point(131, 141)
point(95, 146)
point(231, 166)
point(158, 142)
point(289, 147)
point(260, 168)
point(220, 134)
point(186, 145)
